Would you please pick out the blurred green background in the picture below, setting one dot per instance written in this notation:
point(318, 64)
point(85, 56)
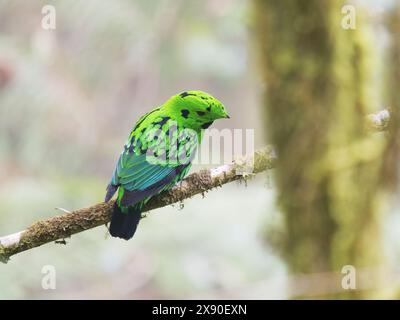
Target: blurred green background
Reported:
point(68, 99)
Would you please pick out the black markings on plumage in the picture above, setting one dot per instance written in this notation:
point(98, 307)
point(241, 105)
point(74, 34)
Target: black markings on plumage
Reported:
point(140, 147)
point(200, 113)
point(206, 125)
point(159, 153)
point(185, 113)
point(208, 108)
point(143, 118)
point(131, 148)
point(172, 128)
point(163, 121)
point(185, 94)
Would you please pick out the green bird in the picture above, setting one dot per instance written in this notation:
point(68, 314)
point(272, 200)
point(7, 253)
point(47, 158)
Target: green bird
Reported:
point(158, 154)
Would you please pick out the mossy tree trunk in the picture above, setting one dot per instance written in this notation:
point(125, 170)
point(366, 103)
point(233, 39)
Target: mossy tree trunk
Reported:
point(328, 178)
point(392, 94)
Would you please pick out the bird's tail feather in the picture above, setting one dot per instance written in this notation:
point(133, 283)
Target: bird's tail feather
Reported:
point(123, 224)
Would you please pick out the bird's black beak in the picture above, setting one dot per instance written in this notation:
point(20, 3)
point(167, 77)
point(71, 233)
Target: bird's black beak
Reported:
point(227, 116)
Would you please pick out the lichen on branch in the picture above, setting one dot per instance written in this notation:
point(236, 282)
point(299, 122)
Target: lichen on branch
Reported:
point(63, 226)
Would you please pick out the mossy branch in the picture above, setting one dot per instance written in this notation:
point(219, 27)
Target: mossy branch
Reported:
point(61, 227)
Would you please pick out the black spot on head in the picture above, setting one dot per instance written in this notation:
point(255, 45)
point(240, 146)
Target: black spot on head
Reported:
point(201, 113)
point(206, 125)
point(208, 108)
point(185, 113)
point(185, 94)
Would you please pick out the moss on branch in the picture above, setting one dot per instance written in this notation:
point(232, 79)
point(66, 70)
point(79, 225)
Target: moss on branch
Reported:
point(63, 226)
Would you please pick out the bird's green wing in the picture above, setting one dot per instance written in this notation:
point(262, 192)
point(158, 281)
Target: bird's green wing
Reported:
point(142, 179)
point(140, 171)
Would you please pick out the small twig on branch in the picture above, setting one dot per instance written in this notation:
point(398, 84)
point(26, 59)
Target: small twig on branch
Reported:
point(61, 227)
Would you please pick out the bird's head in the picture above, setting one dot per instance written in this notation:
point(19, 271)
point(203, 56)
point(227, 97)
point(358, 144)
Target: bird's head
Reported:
point(197, 109)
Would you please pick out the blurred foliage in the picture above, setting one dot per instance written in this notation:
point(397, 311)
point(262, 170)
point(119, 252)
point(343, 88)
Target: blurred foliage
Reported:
point(104, 66)
point(68, 99)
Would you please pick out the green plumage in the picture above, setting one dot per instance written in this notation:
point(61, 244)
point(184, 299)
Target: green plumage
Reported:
point(158, 154)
